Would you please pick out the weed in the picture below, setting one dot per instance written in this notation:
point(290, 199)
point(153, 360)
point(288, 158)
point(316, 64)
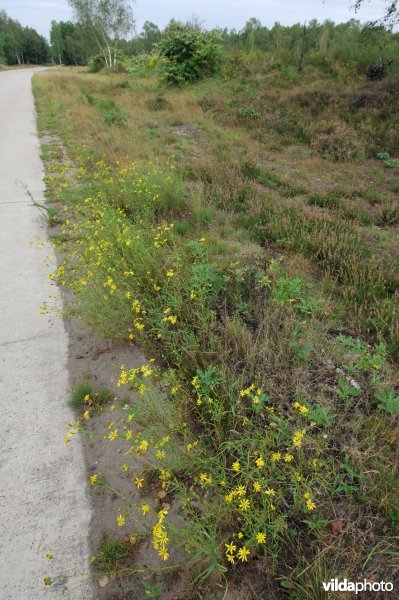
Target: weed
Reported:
point(291, 292)
point(158, 102)
point(300, 344)
point(114, 118)
point(248, 113)
point(152, 591)
point(111, 556)
point(80, 392)
point(325, 201)
point(321, 415)
point(388, 402)
point(83, 395)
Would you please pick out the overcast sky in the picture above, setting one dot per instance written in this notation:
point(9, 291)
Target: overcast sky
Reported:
point(213, 13)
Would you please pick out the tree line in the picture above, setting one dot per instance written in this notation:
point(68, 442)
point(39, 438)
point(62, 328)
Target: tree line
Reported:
point(21, 45)
point(106, 33)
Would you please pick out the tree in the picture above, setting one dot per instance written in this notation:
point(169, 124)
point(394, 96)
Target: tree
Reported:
point(107, 21)
point(7, 48)
point(391, 15)
point(150, 35)
point(71, 43)
point(11, 49)
point(35, 47)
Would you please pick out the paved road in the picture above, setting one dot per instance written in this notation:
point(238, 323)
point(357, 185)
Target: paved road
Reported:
point(43, 502)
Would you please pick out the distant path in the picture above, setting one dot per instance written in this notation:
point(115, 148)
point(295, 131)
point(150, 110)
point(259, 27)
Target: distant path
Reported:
point(43, 504)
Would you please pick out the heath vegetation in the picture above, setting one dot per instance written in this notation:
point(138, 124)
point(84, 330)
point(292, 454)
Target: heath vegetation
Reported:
point(242, 227)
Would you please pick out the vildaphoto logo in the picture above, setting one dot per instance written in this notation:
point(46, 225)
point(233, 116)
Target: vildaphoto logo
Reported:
point(335, 585)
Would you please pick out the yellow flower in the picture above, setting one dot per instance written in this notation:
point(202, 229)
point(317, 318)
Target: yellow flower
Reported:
point(121, 520)
point(86, 415)
point(143, 446)
point(236, 466)
point(240, 535)
point(276, 456)
point(260, 463)
point(93, 479)
point(243, 553)
point(138, 482)
point(244, 504)
point(260, 538)
point(124, 468)
point(257, 486)
point(270, 492)
point(170, 273)
point(145, 508)
point(193, 295)
point(230, 558)
point(146, 371)
point(297, 438)
point(49, 555)
point(132, 539)
point(310, 505)
point(301, 408)
point(288, 458)
point(205, 478)
point(240, 491)
point(230, 548)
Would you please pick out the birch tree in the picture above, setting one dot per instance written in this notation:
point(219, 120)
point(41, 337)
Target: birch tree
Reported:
point(107, 20)
point(391, 16)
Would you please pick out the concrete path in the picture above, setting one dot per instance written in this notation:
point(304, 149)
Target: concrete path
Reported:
point(43, 502)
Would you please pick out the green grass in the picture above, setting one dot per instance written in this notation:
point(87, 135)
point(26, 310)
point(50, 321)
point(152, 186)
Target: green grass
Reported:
point(111, 556)
point(83, 395)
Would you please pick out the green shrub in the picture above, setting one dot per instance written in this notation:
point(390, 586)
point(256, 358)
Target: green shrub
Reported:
point(392, 163)
point(190, 54)
point(97, 63)
point(114, 118)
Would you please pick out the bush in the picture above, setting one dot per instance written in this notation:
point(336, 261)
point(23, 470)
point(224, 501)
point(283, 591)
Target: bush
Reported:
point(190, 54)
point(336, 141)
point(142, 65)
point(97, 63)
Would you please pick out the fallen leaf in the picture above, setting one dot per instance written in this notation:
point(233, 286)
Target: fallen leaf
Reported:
point(103, 581)
point(336, 526)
